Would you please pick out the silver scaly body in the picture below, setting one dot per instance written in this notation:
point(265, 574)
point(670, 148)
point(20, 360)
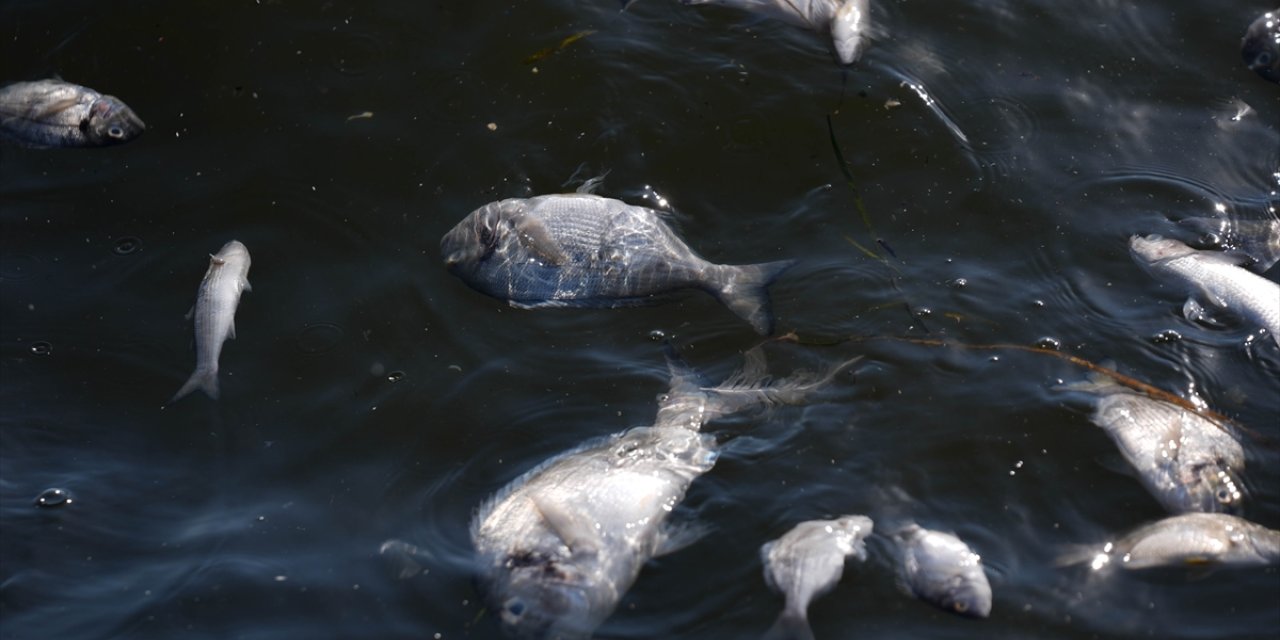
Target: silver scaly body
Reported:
point(215, 314)
point(1192, 540)
point(561, 544)
point(846, 20)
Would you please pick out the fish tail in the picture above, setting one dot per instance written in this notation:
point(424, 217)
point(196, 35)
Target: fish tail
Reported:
point(752, 386)
point(791, 624)
point(743, 288)
point(204, 379)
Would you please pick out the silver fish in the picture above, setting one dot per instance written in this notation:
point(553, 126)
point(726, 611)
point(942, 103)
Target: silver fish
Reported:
point(53, 113)
point(1216, 277)
point(846, 20)
point(215, 314)
point(1187, 540)
point(806, 562)
point(561, 544)
point(941, 569)
point(1259, 239)
point(1186, 461)
point(1260, 46)
point(582, 250)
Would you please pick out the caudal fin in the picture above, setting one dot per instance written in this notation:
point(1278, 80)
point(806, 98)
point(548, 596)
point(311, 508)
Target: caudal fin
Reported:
point(204, 379)
point(752, 386)
point(743, 288)
point(790, 625)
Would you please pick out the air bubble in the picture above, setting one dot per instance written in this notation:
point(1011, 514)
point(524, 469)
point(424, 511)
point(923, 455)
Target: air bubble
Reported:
point(657, 335)
point(127, 245)
point(1167, 336)
point(1051, 344)
point(395, 376)
point(50, 498)
point(41, 348)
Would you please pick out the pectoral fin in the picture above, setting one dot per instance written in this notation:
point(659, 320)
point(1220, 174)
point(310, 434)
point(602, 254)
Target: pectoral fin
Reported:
point(1192, 311)
point(231, 331)
point(575, 531)
point(535, 237)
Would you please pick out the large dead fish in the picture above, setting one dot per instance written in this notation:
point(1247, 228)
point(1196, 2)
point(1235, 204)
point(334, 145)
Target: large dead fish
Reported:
point(561, 544)
point(941, 569)
point(215, 314)
point(582, 250)
point(1190, 540)
point(53, 113)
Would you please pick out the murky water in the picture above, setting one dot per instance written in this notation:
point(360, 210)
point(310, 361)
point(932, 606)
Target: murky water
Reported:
point(1003, 152)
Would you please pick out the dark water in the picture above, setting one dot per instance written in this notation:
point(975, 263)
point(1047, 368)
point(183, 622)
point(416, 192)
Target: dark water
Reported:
point(371, 396)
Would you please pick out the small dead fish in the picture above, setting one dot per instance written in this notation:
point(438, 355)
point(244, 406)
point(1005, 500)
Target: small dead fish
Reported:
point(53, 113)
point(807, 562)
point(215, 314)
point(1215, 277)
point(1260, 46)
point(846, 20)
point(555, 48)
point(582, 250)
point(1192, 540)
point(941, 569)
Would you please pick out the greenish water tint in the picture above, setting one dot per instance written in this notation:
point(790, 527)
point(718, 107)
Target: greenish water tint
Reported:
point(1004, 151)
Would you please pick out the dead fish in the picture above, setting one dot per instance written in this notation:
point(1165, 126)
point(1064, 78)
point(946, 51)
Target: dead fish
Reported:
point(53, 113)
point(582, 250)
point(215, 314)
point(1187, 462)
point(941, 569)
point(1260, 46)
point(1215, 277)
point(561, 544)
point(1196, 540)
point(846, 20)
point(807, 562)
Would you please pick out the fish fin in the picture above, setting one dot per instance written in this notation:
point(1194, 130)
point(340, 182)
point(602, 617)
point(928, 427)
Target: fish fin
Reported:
point(231, 330)
point(792, 624)
point(752, 386)
point(215, 261)
point(53, 108)
point(1194, 312)
point(245, 284)
point(744, 290)
point(190, 312)
point(534, 236)
point(205, 380)
point(677, 537)
point(402, 558)
point(1093, 555)
point(577, 534)
point(591, 185)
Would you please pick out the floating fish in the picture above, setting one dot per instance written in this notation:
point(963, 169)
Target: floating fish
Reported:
point(1260, 46)
point(561, 544)
point(846, 20)
point(215, 314)
point(1193, 540)
point(941, 569)
point(1187, 462)
point(806, 562)
point(53, 113)
point(582, 250)
point(1216, 277)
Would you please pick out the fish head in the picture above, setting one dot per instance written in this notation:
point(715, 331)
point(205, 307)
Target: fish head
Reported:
point(967, 593)
point(111, 121)
point(1155, 248)
point(475, 239)
point(1260, 47)
point(1212, 487)
point(544, 598)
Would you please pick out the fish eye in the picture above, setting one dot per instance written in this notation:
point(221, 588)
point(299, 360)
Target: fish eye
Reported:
point(115, 131)
point(1224, 495)
point(1263, 58)
point(960, 606)
point(515, 607)
point(84, 125)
